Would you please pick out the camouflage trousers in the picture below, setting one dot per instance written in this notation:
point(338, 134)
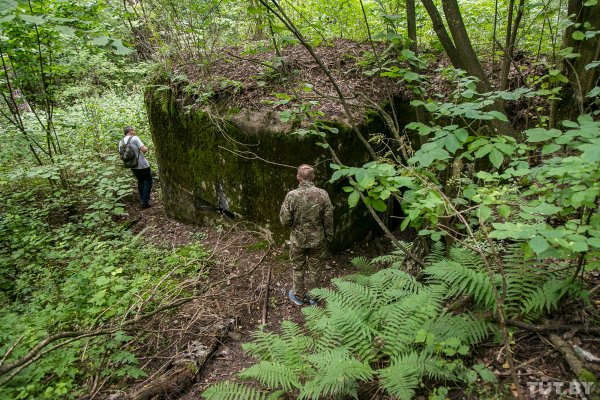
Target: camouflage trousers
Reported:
point(306, 265)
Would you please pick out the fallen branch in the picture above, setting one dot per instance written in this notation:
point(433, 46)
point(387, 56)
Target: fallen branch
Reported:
point(553, 328)
point(177, 379)
point(265, 311)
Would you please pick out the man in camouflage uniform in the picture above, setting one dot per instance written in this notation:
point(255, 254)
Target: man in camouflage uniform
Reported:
point(308, 211)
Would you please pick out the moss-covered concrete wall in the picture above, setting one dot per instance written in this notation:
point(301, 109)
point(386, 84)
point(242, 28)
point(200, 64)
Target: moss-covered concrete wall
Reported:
point(200, 170)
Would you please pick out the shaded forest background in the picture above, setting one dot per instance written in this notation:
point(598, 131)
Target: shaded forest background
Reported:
point(498, 175)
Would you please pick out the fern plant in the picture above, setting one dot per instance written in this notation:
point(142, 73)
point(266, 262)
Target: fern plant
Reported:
point(532, 288)
point(383, 329)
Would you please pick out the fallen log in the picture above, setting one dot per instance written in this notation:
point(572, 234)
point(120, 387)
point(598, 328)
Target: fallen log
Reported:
point(182, 372)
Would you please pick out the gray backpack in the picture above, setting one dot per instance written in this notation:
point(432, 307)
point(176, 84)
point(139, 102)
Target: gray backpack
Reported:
point(128, 155)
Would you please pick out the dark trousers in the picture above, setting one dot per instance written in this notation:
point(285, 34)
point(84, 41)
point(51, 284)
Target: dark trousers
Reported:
point(144, 181)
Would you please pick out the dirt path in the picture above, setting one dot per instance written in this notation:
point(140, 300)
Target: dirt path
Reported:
point(234, 248)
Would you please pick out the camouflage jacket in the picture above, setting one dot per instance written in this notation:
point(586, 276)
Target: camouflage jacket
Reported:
point(308, 211)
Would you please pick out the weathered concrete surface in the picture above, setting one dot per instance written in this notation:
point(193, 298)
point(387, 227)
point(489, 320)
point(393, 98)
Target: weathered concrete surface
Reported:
point(206, 163)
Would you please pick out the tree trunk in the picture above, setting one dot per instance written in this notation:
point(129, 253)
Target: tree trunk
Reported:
point(442, 34)
point(573, 95)
point(462, 55)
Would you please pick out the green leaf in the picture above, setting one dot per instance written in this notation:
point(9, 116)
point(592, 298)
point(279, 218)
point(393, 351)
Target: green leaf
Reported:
point(484, 212)
point(121, 50)
point(451, 143)
point(487, 375)
point(353, 199)
point(8, 6)
point(496, 158)
point(579, 247)
point(411, 76)
point(32, 19)
point(578, 35)
point(483, 150)
point(65, 30)
point(504, 210)
point(378, 205)
point(540, 134)
point(590, 3)
point(498, 115)
point(365, 178)
point(550, 148)
point(591, 65)
point(101, 40)
point(538, 244)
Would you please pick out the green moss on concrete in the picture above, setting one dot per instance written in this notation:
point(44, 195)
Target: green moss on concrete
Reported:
point(200, 171)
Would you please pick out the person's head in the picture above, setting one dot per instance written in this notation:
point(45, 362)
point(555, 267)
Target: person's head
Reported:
point(129, 130)
point(306, 173)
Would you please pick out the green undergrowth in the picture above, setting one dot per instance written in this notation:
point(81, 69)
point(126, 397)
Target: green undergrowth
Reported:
point(67, 262)
point(387, 332)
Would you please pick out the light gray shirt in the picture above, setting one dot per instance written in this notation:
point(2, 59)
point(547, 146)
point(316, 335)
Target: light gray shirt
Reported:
point(136, 144)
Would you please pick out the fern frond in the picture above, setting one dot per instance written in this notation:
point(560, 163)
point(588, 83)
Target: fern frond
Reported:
point(383, 282)
point(350, 328)
point(356, 296)
point(464, 280)
point(232, 391)
point(437, 253)
point(313, 317)
point(260, 347)
point(274, 375)
point(363, 264)
point(403, 376)
point(467, 258)
point(338, 378)
point(546, 297)
point(466, 327)
point(400, 321)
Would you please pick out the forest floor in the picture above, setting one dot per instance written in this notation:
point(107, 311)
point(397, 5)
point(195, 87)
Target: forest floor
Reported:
point(225, 316)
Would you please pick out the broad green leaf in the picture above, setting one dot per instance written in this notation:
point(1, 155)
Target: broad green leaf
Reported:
point(378, 205)
point(8, 6)
point(550, 148)
point(592, 65)
point(594, 242)
point(101, 40)
point(411, 76)
point(498, 115)
point(483, 150)
point(365, 178)
point(451, 143)
point(65, 30)
point(32, 19)
point(538, 244)
point(120, 48)
point(591, 152)
point(540, 134)
point(578, 35)
point(579, 247)
point(353, 199)
point(496, 158)
point(484, 212)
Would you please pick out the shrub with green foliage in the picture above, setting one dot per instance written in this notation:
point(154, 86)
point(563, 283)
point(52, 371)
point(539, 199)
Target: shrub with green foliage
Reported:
point(68, 263)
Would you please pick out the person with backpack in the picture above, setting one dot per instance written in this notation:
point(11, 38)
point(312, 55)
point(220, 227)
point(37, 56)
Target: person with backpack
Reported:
point(132, 150)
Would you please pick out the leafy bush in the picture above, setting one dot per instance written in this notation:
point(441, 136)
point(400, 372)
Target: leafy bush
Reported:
point(67, 261)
